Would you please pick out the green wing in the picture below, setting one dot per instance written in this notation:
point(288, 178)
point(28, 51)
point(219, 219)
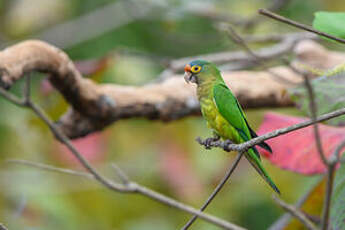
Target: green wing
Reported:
point(228, 107)
point(231, 110)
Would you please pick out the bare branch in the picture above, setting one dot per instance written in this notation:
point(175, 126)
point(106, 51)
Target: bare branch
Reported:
point(262, 61)
point(241, 147)
point(124, 178)
point(337, 152)
point(216, 190)
point(235, 19)
point(299, 25)
point(128, 187)
point(285, 219)
point(96, 106)
point(296, 213)
point(133, 187)
point(328, 196)
point(330, 164)
point(313, 110)
point(27, 88)
point(284, 46)
point(2, 227)
point(50, 168)
point(265, 38)
point(275, 6)
point(12, 98)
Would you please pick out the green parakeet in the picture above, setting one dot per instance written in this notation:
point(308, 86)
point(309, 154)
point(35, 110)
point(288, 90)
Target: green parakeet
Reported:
point(222, 111)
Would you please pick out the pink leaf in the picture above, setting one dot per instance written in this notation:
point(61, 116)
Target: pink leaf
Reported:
point(296, 151)
point(176, 170)
point(92, 147)
point(46, 87)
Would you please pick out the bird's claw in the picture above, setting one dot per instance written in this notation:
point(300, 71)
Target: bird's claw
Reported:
point(226, 145)
point(228, 142)
point(208, 142)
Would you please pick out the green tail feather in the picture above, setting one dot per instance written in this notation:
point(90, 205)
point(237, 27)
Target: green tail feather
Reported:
point(255, 162)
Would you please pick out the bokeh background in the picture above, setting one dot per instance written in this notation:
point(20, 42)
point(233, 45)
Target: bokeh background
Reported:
point(130, 42)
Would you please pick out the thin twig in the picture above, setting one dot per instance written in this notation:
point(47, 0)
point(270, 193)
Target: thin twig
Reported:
point(313, 110)
point(266, 38)
point(275, 6)
point(137, 189)
point(27, 88)
point(124, 188)
point(328, 196)
point(12, 98)
point(2, 227)
point(285, 219)
point(234, 36)
point(262, 61)
point(337, 152)
point(50, 168)
point(241, 147)
point(296, 213)
point(124, 178)
point(134, 187)
point(61, 137)
point(299, 25)
point(216, 190)
point(285, 45)
point(329, 164)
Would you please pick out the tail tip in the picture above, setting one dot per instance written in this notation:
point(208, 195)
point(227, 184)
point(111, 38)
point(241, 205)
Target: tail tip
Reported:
point(275, 188)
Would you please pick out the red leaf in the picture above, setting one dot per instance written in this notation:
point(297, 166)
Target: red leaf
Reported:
point(296, 151)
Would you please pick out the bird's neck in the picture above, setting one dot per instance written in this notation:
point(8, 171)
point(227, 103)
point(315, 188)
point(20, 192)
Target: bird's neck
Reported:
point(205, 86)
point(205, 89)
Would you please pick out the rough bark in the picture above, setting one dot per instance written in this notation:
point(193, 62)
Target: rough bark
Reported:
point(95, 106)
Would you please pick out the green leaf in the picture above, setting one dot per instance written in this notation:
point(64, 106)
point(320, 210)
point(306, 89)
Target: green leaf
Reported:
point(338, 201)
point(329, 95)
point(330, 22)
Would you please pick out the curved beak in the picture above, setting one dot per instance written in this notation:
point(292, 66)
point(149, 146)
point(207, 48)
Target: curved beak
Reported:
point(187, 73)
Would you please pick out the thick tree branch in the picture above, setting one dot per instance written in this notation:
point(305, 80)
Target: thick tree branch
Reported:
point(95, 106)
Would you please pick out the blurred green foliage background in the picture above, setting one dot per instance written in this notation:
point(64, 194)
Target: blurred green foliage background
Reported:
point(140, 38)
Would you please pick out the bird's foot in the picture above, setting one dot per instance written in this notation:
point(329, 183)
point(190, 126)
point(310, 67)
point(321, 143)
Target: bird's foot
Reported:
point(209, 141)
point(226, 145)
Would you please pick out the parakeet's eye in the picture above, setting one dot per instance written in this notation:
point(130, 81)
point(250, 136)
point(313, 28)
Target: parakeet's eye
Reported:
point(195, 69)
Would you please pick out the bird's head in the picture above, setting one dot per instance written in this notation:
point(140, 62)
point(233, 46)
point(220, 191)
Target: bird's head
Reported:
point(199, 71)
